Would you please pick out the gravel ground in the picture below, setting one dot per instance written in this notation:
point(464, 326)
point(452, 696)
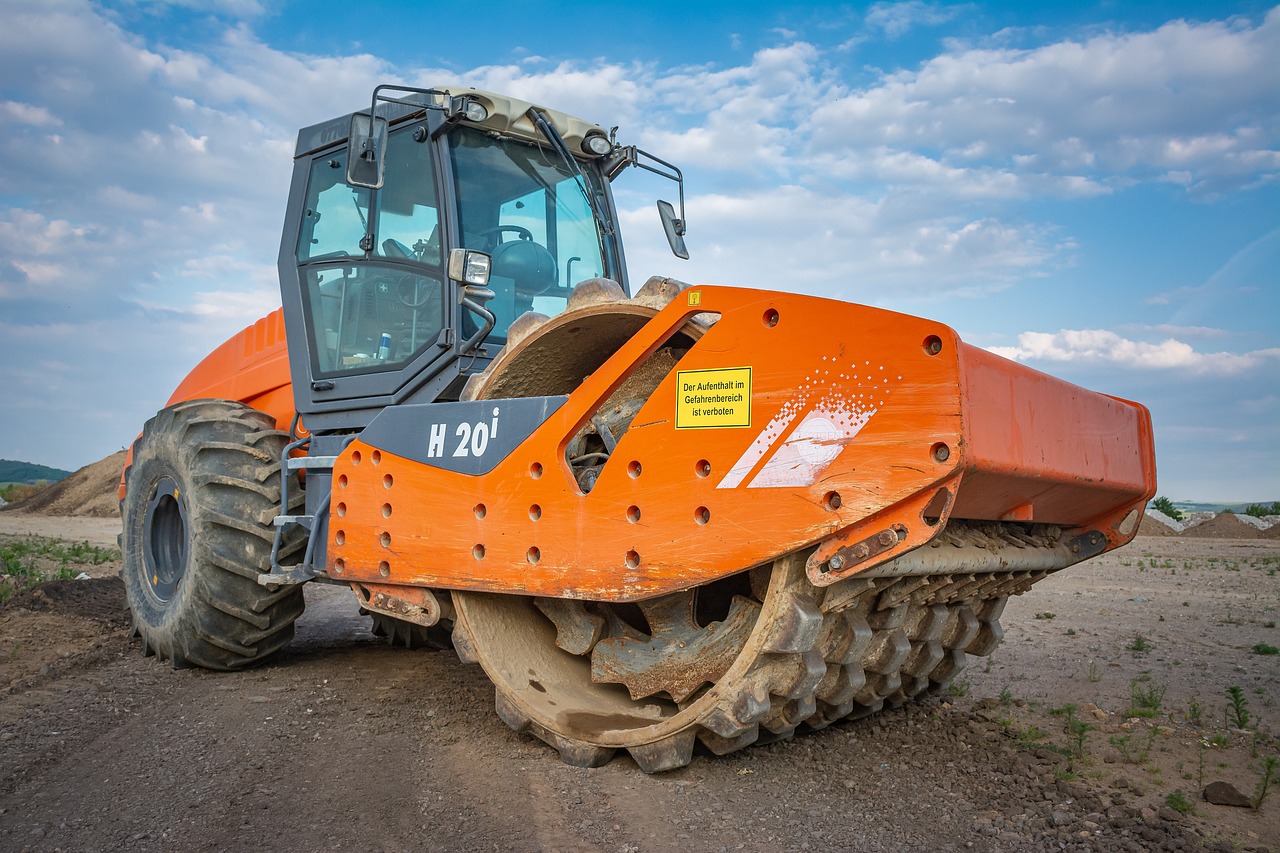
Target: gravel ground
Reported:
point(345, 743)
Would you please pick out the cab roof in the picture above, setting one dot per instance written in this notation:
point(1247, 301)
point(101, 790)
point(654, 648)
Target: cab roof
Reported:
point(507, 115)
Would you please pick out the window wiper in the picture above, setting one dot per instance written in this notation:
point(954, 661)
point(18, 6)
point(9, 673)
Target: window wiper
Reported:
point(553, 136)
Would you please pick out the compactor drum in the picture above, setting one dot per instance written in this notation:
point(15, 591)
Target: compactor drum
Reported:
point(695, 515)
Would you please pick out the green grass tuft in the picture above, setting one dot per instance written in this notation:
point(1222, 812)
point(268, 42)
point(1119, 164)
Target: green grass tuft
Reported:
point(33, 560)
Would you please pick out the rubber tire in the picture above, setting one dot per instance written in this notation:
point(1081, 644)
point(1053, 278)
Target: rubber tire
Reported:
point(224, 459)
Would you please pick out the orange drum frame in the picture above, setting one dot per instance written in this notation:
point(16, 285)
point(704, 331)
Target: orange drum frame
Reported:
point(793, 421)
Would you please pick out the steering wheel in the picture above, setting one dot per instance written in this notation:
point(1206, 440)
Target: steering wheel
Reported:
point(414, 291)
point(493, 236)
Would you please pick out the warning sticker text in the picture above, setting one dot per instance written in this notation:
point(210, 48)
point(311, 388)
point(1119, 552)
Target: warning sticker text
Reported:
point(713, 398)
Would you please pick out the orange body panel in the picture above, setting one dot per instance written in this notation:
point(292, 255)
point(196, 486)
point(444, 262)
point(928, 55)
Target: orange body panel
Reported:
point(858, 421)
point(1041, 449)
point(252, 367)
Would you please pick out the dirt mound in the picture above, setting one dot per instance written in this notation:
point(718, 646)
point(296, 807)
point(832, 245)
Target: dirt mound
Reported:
point(91, 491)
point(1154, 527)
point(1223, 526)
point(101, 599)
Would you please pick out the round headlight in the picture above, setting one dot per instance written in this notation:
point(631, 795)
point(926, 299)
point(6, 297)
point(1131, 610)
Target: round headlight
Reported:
point(476, 111)
point(597, 144)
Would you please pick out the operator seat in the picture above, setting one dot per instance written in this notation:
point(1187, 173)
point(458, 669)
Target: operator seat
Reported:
point(527, 264)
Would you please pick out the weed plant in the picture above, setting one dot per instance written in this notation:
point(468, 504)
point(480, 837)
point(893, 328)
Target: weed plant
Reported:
point(1270, 765)
point(1179, 803)
point(33, 560)
point(1145, 700)
point(1237, 709)
point(1134, 748)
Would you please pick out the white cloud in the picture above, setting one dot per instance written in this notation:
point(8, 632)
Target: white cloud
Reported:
point(804, 240)
point(895, 19)
point(27, 114)
point(597, 92)
point(1197, 99)
point(1100, 345)
point(902, 170)
point(31, 231)
point(1176, 331)
point(737, 119)
point(235, 307)
point(235, 8)
point(1260, 405)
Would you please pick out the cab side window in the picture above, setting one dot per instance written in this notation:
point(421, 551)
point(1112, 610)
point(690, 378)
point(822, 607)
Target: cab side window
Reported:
point(376, 310)
point(334, 220)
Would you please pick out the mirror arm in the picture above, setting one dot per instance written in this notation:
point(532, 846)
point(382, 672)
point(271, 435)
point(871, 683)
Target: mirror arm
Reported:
point(631, 156)
point(367, 149)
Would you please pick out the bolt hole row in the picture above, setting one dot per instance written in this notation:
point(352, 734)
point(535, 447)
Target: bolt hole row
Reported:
point(702, 468)
point(532, 556)
point(387, 481)
point(340, 538)
point(701, 515)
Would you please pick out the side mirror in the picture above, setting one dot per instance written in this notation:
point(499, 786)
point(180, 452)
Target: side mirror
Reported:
point(674, 228)
point(366, 145)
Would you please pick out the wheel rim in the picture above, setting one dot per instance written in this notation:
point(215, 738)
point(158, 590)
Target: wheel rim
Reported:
point(164, 537)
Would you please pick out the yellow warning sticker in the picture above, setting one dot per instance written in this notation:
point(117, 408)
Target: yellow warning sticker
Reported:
point(695, 298)
point(713, 398)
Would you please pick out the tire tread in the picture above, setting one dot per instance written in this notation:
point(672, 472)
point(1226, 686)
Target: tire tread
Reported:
point(226, 458)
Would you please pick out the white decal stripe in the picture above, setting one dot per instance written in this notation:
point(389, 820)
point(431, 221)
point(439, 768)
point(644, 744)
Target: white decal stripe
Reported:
point(756, 451)
point(807, 454)
point(837, 399)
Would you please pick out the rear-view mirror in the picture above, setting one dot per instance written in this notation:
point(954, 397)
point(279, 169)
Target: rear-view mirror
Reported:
point(674, 226)
point(366, 145)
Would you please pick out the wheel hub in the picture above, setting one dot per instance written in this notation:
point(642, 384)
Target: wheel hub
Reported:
point(165, 539)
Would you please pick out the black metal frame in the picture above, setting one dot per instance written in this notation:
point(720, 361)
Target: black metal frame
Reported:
point(328, 403)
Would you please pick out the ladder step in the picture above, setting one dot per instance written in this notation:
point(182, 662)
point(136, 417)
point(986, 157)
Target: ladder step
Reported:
point(291, 575)
point(304, 463)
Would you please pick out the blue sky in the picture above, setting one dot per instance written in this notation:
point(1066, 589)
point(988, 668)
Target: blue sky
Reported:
point(1091, 188)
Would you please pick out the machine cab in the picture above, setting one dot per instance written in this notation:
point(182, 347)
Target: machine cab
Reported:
point(366, 262)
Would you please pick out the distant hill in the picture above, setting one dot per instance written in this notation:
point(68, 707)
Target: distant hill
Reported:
point(12, 471)
point(91, 491)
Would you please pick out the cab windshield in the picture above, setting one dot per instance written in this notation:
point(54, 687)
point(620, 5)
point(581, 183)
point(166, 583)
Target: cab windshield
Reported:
point(519, 204)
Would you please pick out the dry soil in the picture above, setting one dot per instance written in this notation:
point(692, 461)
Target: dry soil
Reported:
point(344, 743)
